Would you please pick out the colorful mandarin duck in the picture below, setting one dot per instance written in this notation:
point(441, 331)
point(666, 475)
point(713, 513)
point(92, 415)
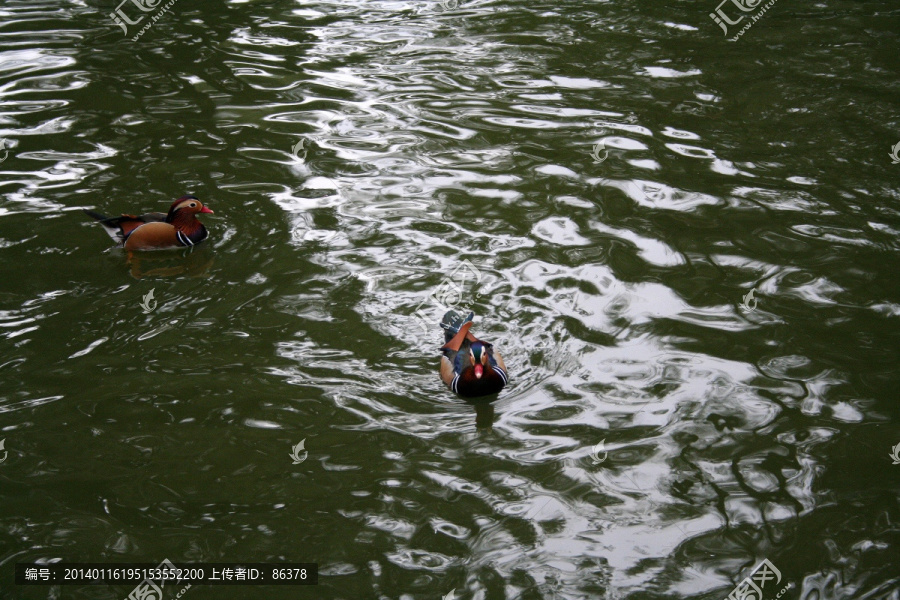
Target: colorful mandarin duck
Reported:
point(469, 367)
point(155, 231)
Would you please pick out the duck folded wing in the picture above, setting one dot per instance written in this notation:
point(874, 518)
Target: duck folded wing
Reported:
point(152, 235)
point(457, 340)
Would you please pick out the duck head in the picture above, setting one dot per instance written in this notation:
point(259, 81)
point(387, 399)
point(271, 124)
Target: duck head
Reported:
point(185, 210)
point(479, 359)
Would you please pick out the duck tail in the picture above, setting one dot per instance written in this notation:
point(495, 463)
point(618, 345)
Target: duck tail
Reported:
point(95, 215)
point(111, 225)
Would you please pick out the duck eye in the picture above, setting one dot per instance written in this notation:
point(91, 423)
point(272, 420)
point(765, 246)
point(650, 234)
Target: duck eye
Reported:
point(192, 205)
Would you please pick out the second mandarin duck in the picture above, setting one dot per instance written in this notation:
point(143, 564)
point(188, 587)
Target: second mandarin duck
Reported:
point(155, 231)
point(469, 367)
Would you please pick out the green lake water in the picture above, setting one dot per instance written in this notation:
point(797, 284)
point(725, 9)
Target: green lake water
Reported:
point(686, 249)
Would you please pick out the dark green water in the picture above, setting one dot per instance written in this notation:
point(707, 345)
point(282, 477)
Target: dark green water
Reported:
point(611, 277)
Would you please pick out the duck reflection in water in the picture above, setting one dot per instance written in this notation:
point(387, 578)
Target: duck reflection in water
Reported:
point(193, 262)
point(484, 411)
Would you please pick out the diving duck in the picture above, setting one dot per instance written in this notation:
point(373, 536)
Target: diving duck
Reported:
point(153, 231)
point(469, 366)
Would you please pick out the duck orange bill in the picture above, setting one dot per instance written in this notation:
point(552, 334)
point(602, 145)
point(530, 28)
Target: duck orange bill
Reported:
point(206, 210)
point(479, 371)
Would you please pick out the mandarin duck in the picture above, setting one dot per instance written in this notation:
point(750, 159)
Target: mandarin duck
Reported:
point(469, 367)
point(154, 231)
